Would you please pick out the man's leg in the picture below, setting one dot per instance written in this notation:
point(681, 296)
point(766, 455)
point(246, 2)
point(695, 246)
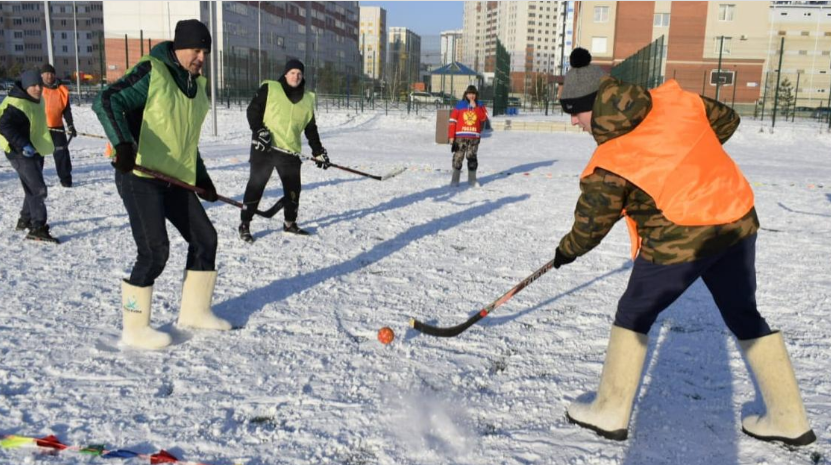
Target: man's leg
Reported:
point(260, 170)
point(30, 172)
point(289, 171)
point(144, 201)
point(63, 164)
point(732, 281)
point(184, 210)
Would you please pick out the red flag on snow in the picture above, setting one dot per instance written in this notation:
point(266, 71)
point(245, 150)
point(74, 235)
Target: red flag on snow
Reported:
point(52, 442)
point(163, 457)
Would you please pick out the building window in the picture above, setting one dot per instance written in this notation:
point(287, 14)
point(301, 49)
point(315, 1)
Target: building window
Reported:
point(661, 20)
point(726, 12)
point(598, 45)
point(717, 46)
point(601, 14)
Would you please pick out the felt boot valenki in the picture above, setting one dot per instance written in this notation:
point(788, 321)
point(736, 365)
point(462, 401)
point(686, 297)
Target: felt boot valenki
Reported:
point(471, 178)
point(197, 292)
point(785, 420)
point(135, 309)
point(454, 180)
point(608, 415)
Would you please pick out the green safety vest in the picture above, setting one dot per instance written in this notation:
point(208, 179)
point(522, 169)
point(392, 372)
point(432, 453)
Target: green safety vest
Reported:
point(287, 120)
point(38, 132)
point(171, 125)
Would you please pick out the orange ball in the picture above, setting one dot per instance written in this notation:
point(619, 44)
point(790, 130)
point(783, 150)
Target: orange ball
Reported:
point(385, 335)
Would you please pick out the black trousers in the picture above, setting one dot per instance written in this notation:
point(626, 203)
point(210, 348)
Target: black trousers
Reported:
point(730, 276)
point(261, 166)
point(30, 172)
point(149, 202)
point(63, 164)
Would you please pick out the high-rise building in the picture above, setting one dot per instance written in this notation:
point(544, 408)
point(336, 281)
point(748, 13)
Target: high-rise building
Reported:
point(806, 62)
point(699, 39)
point(373, 40)
point(451, 46)
point(404, 54)
point(532, 33)
point(252, 40)
point(23, 37)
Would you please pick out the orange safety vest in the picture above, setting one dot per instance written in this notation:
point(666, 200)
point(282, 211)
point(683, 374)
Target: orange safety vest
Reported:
point(675, 157)
point(55, 100)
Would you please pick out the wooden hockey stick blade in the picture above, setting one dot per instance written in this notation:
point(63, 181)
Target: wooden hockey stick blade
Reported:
point(393, 173)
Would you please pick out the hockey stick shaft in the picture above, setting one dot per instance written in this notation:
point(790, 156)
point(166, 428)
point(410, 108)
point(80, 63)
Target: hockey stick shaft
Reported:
point(458, 329)
point(268, 213)
point(333, 165)
point(85, 134)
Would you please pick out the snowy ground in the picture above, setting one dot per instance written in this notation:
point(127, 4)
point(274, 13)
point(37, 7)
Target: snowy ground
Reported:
point(305, 380)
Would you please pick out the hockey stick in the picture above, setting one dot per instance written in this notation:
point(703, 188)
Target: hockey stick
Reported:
point(395, 172)
point(267, 214)
point(458, 329)
point(95, 136)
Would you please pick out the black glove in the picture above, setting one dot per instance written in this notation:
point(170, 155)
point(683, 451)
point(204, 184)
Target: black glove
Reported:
point(125, 157)
point(454, 147)
point(209, 191)
point(261, 140)
point(561, 259)
point(70, 129)
point(321, 159)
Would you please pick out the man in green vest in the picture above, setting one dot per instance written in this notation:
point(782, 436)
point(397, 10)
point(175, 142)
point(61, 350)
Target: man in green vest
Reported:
point(24, 137)
point(153, 117)
point(279, 112)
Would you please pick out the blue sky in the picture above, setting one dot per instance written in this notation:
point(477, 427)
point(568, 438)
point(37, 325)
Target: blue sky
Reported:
point(424, 17)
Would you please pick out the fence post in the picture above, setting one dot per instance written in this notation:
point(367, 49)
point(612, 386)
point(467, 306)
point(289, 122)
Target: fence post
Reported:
point(126, 55)
point(795, 97)
point(778, 80)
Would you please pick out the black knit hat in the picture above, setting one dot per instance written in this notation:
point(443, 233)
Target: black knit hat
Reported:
point(30, 78)
point(47, 68)
point(294, 63)
point(581, 83)
point(191, 33)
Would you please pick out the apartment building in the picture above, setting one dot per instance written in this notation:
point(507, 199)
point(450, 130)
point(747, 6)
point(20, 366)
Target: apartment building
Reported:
point(452, 48)
point(24, 44)
point(532, 32)
point(404, 55)
point(700, 38)
point(806, 61)
point(373, 40)
point(252, 40)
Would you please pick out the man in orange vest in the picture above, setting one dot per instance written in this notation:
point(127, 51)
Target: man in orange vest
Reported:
point(690, 211)
point(56, 99)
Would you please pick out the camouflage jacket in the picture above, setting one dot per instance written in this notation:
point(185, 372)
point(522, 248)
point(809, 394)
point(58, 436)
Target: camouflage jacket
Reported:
point(619, 108)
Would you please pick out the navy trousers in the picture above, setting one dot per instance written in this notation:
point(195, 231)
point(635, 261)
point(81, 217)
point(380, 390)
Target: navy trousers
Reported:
point(730, 276)
point(30, 172)
point(63, 164)
point(149, 202)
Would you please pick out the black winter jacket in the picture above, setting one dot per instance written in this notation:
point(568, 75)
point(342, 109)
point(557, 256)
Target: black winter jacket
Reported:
point(120, 107)
point(14, 124)
point(256, 110)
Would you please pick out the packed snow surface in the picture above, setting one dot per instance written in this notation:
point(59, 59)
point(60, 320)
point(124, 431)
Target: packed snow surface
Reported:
point(304, 379)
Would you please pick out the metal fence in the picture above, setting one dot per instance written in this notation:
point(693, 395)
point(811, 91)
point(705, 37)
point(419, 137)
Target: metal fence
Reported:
point(644, 67)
